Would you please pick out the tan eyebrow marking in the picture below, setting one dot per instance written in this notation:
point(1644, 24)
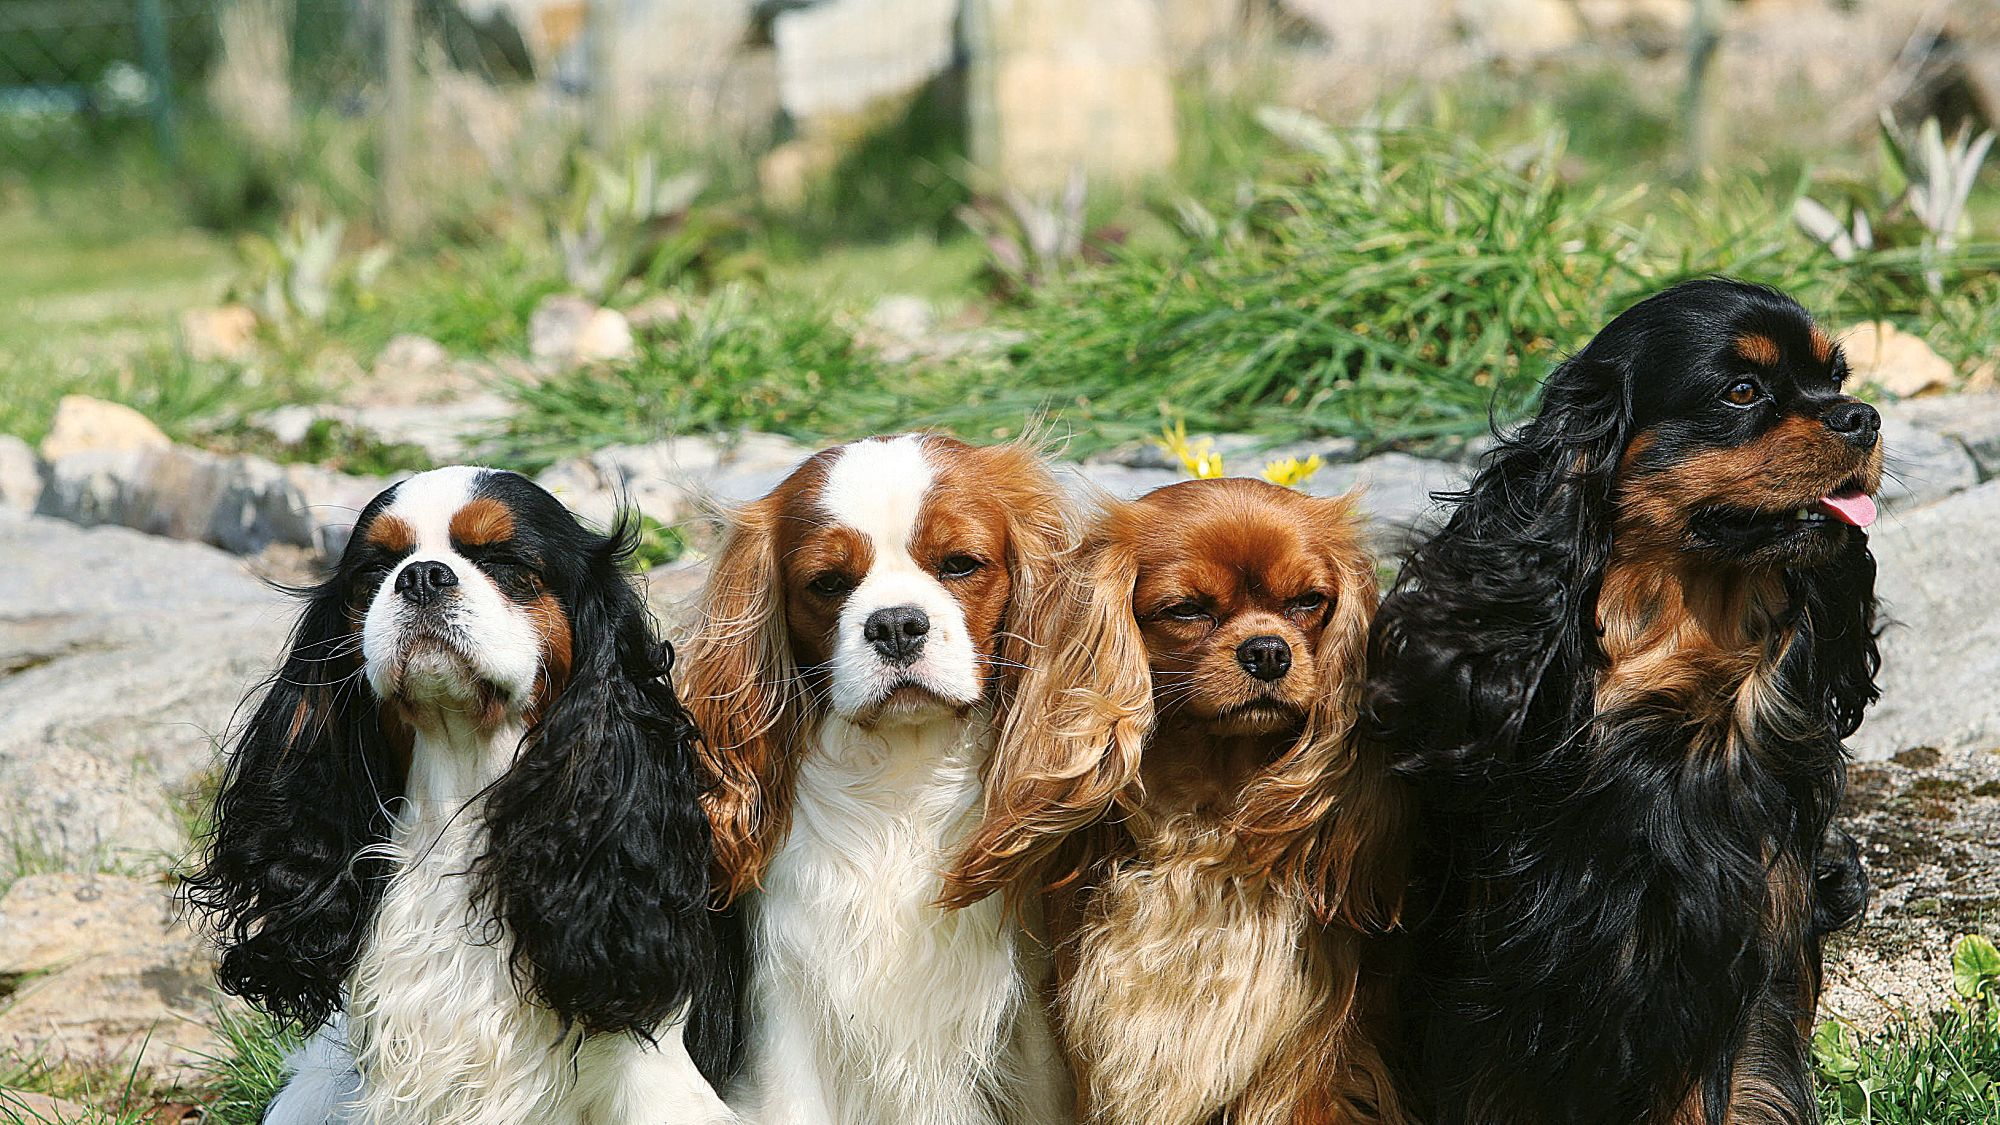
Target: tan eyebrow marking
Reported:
point(1759, 349)
point(1822, 345)
point(482, 522)
point(392, 533)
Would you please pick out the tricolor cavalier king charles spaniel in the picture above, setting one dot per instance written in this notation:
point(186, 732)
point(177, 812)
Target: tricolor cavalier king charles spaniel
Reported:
point(860, 636)
point(1620, 678)
point(461, 835)
point(1219, 852)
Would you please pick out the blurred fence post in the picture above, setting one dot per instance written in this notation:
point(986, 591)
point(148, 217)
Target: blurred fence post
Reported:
point(1697, 107)
point(600, 55)
point(153, 49)
point(399, 49)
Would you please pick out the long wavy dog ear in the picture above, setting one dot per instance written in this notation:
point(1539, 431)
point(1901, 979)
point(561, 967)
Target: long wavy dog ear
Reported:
point(1502, 600)
point(599, 853)
point(1071, 741)
point(285, 882)
point(742, 686)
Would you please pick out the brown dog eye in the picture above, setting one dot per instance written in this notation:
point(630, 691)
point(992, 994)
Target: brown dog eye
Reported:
point(958, 566)
point(1185, 611)
point(1309, 603)
point(832, 584)
point(1743, 393)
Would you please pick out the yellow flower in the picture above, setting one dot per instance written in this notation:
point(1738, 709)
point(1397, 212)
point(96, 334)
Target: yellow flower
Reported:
point(1292, 472)
point(1198, 458)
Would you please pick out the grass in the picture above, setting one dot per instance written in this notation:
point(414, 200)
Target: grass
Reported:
point(1939, 1069)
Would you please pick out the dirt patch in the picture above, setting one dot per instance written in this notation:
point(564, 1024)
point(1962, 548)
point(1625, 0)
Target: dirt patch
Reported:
point(1929, 828)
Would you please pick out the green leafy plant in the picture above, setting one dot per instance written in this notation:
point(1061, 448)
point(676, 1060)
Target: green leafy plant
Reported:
point(301, 274)
point(1030, 240)
point(625, 221)
point(1940, 1069)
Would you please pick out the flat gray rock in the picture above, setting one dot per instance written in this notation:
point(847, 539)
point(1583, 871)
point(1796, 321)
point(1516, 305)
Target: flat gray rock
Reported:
point(1939, 567)
point(1396, 491)
point(1921, 466)
point(122, 658)
point(1973, 421)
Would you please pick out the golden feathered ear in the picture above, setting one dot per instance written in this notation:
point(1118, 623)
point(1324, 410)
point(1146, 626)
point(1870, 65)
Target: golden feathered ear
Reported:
point(1070, 744)
point(741, 687)
point(1039, 536)
point(1326, 817)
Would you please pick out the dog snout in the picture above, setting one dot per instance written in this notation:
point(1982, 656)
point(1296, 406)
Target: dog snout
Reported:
point(898, 633)
point(425, 581)
point(1265, 658)
point(1856, 422)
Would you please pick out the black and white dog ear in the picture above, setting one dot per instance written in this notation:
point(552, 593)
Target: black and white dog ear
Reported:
point(284, 880)
point(598, 849)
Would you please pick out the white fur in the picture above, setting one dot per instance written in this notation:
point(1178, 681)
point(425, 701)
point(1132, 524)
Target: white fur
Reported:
point(435, 1031)
point(878, 488)
point(871, 1006)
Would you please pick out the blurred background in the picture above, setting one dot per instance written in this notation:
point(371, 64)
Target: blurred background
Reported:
point(1362, 218)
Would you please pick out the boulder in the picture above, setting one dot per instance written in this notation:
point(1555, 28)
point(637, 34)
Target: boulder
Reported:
point(84, 424)
point(112, 975)
point(1058, 86)
point(567, 330)
point(20, 475)
point(1896, 361)
point(239, 503)
point(1971, 420)
point(1939, 566)
point(669, 479)
point(1921, 465)
point(224, 334)
point(122, 659)
point(410, 356)
point(839, 57)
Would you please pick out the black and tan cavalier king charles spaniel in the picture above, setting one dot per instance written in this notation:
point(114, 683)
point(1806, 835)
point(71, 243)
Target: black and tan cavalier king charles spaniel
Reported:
point(1619, 680)
point(461, 835)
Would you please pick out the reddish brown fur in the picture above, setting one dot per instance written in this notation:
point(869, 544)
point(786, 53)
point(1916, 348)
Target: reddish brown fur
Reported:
point(747, 673)
point(1758, 349)
point(1126, 729)
point(391, 533)
point(552, 622)
point(482, 522)
point(1822, 345)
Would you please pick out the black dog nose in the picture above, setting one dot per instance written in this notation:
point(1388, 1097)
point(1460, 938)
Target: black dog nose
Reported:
point(1856, 422)
point(898, 633)
point(425, 581)
point(1267, 658)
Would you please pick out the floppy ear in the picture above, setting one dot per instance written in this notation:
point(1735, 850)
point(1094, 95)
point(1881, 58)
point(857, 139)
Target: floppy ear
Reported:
point(1502, 601)
point(598, 850)
point(741, 684)
point(286, 883)
point(1037, 512)
point(1326, 817)
point(1070, 744)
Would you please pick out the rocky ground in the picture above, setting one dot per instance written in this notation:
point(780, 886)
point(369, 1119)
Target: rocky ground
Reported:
point(134, 615)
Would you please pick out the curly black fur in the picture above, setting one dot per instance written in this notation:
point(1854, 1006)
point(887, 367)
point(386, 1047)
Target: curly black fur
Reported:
point(598, 851)
point(1592, 934)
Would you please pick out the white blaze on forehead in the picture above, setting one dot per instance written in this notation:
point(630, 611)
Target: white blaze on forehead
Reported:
point(427, 502)
point(877, 487)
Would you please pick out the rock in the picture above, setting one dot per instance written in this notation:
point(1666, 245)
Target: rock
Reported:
point(1941, 650)
point(410, 356)
point(567, 330)
point(114, 976)
point(122, 658)
point(656, 311)
point(84, 423)
point(1396, 491)
point(447, 432)
point(20, 475)
point(1971, 420)
point(1058, 86)
point(328, 503)
point(903, 317)
point(841, 56)
point(288, 425)
point(1896, 361)
point(225, 334)
point(1921, 466)
point(241, 504)
point(671, 591)
point(1520, 29)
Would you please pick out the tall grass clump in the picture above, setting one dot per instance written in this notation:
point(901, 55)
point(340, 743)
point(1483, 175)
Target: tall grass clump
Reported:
point(1939, 1069)
point(783, 365)
point(1387, 285)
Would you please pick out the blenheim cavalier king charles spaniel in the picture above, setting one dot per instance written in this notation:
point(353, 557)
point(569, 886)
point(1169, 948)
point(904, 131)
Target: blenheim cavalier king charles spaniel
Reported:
point(859, 642)
point(1219, 854)
point(461, 835)
point(1620, 678)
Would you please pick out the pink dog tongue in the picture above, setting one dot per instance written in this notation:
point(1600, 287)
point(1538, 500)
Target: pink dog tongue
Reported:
point(1856, 508)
